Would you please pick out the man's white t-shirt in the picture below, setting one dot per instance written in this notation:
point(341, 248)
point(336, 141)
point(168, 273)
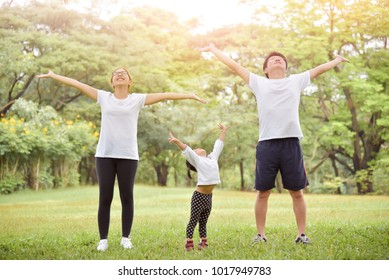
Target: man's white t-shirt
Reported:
point(278, 103)
point(206, 166)
point(119, 125)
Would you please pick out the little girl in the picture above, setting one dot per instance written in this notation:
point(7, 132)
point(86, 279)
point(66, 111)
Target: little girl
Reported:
point(208, 176)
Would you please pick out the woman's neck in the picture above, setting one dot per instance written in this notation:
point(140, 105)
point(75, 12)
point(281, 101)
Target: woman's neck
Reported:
point(121, 92)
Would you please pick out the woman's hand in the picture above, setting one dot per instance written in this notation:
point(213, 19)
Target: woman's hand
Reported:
point(341, 59)
point(48, 75)
point(195, 97)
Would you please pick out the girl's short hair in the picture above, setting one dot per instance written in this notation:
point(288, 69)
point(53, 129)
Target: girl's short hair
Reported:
point(190, 167)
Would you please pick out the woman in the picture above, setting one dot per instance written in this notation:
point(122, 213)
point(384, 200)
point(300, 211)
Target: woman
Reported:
point(117, 148)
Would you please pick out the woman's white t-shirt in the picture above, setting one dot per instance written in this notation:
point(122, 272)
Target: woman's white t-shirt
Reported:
point(119, 125)
point(278, 102)
point(206, 166)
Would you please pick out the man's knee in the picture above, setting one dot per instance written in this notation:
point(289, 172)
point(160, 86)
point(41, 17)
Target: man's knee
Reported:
point(261, 195)
point(296, 194)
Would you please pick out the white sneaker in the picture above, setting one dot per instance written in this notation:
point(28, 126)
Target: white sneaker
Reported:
point(302, 239)
point(103, 245)
point(126, 243)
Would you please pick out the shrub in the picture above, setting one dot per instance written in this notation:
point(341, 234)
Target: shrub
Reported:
point(38, 148)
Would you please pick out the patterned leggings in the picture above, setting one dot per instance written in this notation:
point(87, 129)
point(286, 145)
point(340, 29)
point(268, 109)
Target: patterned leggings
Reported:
point(201, 206)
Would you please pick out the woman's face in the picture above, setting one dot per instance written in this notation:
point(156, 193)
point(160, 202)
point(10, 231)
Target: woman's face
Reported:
point(120, 77)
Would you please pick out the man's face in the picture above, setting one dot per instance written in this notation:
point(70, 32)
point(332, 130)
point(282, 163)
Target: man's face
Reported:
point(276, 61)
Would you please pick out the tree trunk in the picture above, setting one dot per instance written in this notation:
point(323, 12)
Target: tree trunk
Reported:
point(371, 141)
point(55, 173)
point(11, 100)
point(33, 174)
point(87, 170)
point(162, 173)
point(241, 170)
point(357, 155)
point(336, 170)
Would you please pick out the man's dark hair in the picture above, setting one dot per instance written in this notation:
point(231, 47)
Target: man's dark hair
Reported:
point(274, 54)
point(190, 167)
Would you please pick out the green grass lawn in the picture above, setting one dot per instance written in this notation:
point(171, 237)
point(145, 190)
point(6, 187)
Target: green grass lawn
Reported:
point(62, 224)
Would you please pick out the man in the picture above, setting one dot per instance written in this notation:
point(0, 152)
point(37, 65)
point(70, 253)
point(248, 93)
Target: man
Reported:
point(278, 149)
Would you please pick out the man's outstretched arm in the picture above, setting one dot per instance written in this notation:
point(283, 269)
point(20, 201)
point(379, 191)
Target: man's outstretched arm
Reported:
point(314, 72)
point(229, 62)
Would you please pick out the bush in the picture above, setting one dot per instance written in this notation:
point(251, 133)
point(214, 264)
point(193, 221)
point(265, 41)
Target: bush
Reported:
point(38, 148)
point(329, 186)
point(9, 184)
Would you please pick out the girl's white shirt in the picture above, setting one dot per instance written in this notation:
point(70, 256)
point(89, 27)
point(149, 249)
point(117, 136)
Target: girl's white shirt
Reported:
point(278, 103)
point(207, 166)
point(119, 125)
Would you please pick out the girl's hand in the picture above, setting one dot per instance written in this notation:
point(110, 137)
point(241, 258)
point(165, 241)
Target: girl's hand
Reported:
point(222, 127)
point(174, 140)
point(171, 138)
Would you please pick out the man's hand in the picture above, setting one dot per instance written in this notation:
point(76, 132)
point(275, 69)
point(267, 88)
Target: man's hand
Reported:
point(208, 48)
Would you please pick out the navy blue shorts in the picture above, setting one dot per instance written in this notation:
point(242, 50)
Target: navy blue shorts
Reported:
point(284, 155)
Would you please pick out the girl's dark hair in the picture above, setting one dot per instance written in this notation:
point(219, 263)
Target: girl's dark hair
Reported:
point(190, 167)
point(273, 54)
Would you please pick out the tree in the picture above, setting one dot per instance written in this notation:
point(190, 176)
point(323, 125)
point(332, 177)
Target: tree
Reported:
point(344, 114)
point(34, 42)
point(319, 29)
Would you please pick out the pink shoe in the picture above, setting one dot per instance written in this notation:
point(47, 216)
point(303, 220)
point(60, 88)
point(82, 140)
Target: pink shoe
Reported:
point(203, 244)
point(189, 245)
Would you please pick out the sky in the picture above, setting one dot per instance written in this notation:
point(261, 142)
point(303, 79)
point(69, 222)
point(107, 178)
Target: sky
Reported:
point(212, 13)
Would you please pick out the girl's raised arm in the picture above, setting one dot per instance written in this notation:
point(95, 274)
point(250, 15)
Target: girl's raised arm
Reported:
point(84, 88)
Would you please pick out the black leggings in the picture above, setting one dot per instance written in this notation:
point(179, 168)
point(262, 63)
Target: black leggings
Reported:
point(201, 206)
point(107, 170)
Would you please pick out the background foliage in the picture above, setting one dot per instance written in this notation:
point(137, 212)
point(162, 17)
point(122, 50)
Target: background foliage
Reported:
point(48, 132)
